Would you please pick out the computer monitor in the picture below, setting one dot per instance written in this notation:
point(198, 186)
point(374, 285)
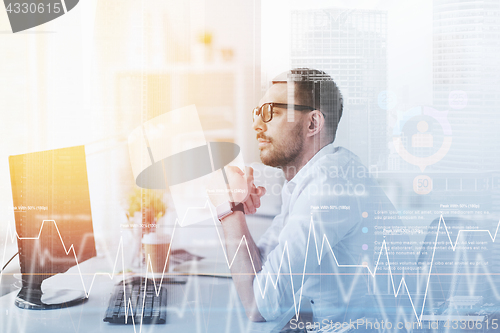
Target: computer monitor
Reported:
point(53, 222)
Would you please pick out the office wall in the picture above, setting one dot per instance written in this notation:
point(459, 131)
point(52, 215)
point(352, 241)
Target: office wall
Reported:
point(99, 71)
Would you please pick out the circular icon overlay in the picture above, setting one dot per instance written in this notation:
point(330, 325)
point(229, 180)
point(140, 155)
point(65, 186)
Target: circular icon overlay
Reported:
point(457, 99)
point(422, 184)
point(423, 138)
point(387, 99)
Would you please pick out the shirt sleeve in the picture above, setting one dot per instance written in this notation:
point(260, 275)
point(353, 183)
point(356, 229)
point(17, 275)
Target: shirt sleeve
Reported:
point(296, 251)
point(269, 240)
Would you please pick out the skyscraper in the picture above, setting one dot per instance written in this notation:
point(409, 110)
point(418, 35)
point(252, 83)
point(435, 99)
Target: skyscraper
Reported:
point(466, 80)
point(349, 45)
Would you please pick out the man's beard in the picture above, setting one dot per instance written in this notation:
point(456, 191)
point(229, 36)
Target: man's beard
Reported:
point(284, 152)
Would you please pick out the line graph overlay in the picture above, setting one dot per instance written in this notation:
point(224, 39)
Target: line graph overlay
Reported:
point(12, 235)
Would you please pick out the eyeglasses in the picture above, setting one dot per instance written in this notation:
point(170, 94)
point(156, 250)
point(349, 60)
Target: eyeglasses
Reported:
point(266, 110)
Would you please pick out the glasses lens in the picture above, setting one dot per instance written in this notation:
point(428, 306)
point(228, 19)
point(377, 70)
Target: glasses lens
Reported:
point(267, 112)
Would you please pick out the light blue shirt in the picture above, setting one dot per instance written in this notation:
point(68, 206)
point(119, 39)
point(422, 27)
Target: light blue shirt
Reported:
point(333, 195)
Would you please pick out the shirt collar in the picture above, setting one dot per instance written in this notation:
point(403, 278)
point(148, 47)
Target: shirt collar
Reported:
point(302, 174)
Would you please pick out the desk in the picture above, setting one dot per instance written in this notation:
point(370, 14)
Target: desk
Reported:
point(203, 304)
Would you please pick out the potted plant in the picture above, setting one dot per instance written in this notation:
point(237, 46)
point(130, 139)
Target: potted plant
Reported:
point(150, 205)
point(145, 208)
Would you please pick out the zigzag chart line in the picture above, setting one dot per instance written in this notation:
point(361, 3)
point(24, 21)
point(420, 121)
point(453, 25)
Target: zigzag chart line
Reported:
point(319, 254)
point(372, 273)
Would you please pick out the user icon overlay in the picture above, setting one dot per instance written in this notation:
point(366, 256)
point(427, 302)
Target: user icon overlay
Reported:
point(423, 138)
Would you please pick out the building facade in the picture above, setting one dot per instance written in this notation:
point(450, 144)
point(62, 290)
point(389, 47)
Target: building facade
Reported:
point(349, 45)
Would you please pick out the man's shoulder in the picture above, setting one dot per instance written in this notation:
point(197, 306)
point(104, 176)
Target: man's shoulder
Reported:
point(338, 155)
point(337, 163)
point(337, 176)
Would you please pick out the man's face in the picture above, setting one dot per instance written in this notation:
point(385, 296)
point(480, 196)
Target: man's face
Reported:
point(280, 141)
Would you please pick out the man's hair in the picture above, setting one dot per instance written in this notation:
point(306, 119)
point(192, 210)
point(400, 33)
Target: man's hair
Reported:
point(317, 89)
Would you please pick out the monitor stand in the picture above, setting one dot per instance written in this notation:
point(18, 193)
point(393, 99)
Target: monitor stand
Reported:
point(31, 297)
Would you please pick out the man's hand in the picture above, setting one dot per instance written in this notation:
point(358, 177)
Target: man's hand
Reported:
point(240, 188)
point(253, 200)
point(243, 188)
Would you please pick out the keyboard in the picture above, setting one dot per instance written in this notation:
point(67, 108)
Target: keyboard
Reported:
point(155, 307)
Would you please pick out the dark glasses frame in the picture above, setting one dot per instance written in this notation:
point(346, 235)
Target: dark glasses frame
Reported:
point(258, 111)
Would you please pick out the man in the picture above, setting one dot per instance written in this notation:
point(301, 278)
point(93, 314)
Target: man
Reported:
point(328, 199)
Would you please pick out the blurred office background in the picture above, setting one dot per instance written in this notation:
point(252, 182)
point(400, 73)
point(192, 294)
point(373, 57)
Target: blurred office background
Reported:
point(93, 75)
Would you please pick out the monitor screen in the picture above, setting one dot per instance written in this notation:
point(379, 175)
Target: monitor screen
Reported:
point(52, 212)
